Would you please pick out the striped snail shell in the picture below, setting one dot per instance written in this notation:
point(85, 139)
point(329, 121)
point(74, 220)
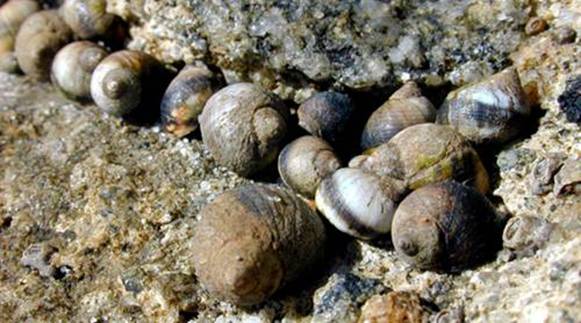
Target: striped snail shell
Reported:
point(73, 68)
point(326, 115)
point(446, 227)
point(38, 40)
point(185, 98)
point(304, 163)
point(491, 111)
point(253, 240)
point(243, 127)
point(406, 107)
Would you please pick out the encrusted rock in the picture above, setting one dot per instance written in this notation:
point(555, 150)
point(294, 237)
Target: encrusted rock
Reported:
point(395, 307)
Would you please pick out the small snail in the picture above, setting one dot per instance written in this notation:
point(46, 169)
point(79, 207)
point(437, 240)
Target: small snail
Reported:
point(406, 107)
point(243, 127)
point(445, 227)
point(357, 202)
point(73, 67)
point(423, 154)
point(185, 98)
point(303, 163)
point(87, 18)
point(124, 81)
point(12, 15)
point(491, 111)
point(253, 240)
point(326, 115)
point(38, 40)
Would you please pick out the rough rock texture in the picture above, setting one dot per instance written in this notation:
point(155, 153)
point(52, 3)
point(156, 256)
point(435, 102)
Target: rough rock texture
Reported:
point(96, 216)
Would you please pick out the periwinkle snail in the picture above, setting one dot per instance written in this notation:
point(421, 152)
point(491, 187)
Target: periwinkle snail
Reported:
point(446, 226)
point(185, 98)
point(243, 127)
point(304, 163)
point(87, 18)
point(73, 67)
point(406, 107)
point(38, 40)
point(326, 115)
point(424, 154)
point(491, 111)
point(253, 240)
point(357, 202)
point(12, 15)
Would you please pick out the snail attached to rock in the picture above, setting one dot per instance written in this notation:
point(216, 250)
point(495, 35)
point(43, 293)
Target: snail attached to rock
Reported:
point(128, 84)
point(73, 68)
point(446, 226)
point(491, 111)
point(326, 115)
point(243, 127)
point(254, 240)
point(304, 163)
point(357, 202)
point(424, 154)
point(38, 40)
point(12, 15)
point(185, 98)
point(406, 107)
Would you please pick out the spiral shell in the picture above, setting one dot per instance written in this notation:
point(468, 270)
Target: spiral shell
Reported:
point(357, 202)
point(185, 98)
point(87, 18)
point(424, 154)
point(304, 163)
point(12, 15)
point(253, 240)
point(446, 227)
point(73, 67)
point(39, 39)
point(326, 115)
point(491, 111)
point(243, 127)
point(406, 107)
point(125, 81)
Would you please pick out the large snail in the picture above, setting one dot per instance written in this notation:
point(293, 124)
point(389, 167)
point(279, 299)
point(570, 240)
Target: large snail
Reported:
point(38, 40)
point(185, 98)
point(491, 111)
point(253, 240)
point(423, 154)
point(446, 226)
point(357, 202)
point(243, 127)
point(406, 107)
point(326, 115)
point(73, 67)
point(304, 163)
point(12, 15)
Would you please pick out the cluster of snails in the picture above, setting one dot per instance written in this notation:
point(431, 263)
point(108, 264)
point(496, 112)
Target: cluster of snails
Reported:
point(421, 182)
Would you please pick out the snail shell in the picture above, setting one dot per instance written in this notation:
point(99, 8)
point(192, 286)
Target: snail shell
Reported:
point(526, 234)
point(491, 111)
point(406, 107)
point(445, 227)
point(423, 154)
point(124, 80)
point(303, 163)
point(243, 127)
point(357, 202)
point(87, 18)
point(40, 37)
point(185, 98)
point(326, 115)
point(73, 67)
point(253, 240)
point(12, 15)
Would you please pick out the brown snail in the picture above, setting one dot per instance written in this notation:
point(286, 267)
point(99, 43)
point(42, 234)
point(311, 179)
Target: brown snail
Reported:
point(357, 202)
point(326, 115)
point(446, 226)
point(491, 111)
point(87, 18)
point(304, 163)
point(424, 154)
point(38, 40)
point(12, 15)
point(73, 67)
point(406, 107)
point(253, 240)
point(243, 127)
point(185, 98)
point(123, 83)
